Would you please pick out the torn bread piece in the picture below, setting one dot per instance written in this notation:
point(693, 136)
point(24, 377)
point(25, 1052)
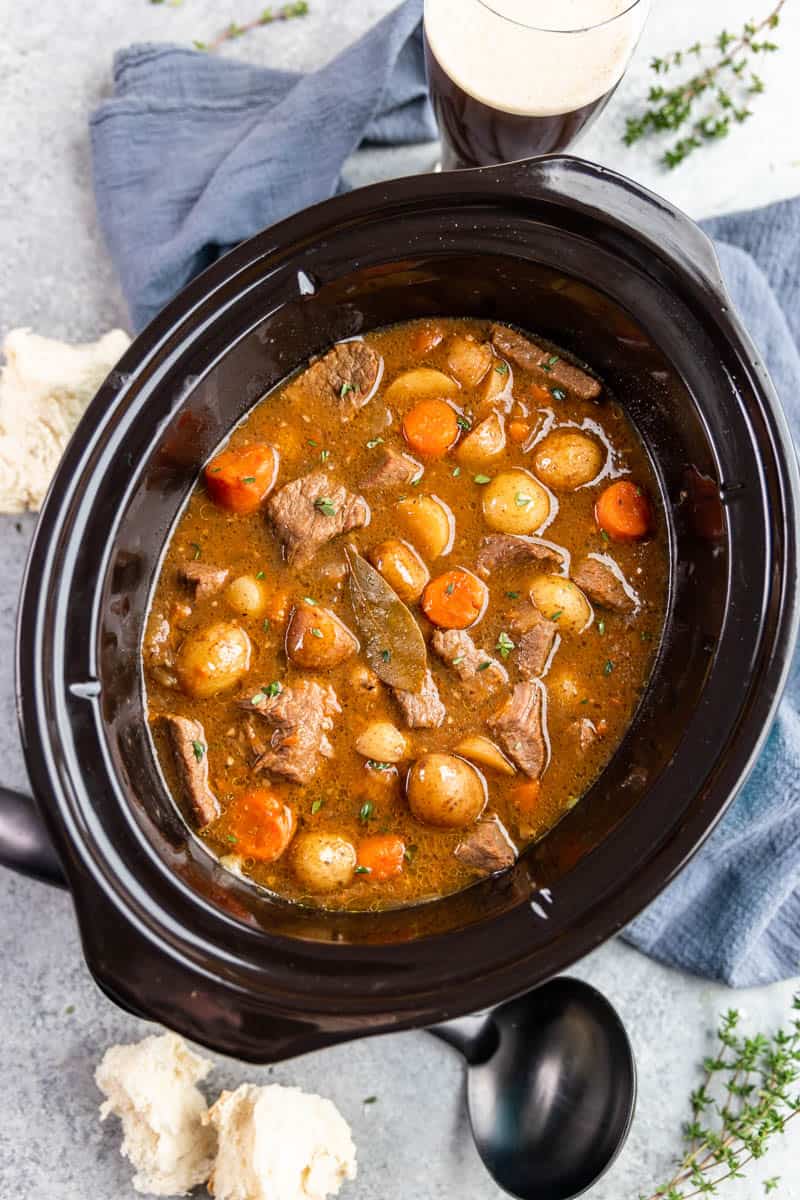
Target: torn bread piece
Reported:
point(151, 1087)
point(279, 1143)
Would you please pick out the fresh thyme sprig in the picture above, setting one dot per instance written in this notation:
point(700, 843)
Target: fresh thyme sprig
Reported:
point(744, 1101)
point(286, 12)
point(713, 100)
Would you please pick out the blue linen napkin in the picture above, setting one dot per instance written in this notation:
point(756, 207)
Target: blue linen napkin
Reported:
point(195, 153)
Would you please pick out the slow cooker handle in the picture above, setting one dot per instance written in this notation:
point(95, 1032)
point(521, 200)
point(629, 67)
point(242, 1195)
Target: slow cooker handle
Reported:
point(24, 844)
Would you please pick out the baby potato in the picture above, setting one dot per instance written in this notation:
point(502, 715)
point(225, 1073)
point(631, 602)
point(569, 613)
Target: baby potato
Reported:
point(246, 596)
point(467, 359)
point(423, 383)
point(497, 383)
point(515, 502)
point(323, 862)
point(317, 639)
point(446, 791)
point(383, 743)
point(401, 567)
point(429, 524)
point(484, 443)
point(567, 459)
point(213, 659)
point(561, 600)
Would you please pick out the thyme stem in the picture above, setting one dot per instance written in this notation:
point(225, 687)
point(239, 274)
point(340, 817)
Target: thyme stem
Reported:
point(286, 12)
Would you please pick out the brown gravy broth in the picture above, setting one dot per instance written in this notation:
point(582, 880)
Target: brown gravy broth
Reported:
point(594, 676)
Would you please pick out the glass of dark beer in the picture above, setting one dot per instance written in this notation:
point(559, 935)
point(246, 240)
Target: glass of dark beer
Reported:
point(511, 79)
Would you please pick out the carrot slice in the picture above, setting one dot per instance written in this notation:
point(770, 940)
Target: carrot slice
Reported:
point(518, 431)
point(431, 428)
point(426, 338)
point(258, 825)
point(241, 479)
point(382, 856)
point(526, 797)
point(455, 600)
point(623, 511)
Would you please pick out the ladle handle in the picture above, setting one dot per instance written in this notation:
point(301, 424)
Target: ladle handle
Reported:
point(24, 844)
point(475, 1036)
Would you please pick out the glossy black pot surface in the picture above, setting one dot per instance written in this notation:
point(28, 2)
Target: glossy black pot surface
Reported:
point(555, 245)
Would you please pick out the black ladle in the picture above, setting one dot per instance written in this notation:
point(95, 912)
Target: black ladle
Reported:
point(551, 1088)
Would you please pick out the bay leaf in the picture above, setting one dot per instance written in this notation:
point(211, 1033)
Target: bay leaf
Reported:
point(392, 639)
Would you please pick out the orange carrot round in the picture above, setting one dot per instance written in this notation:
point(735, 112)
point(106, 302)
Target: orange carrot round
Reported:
point(526, 797)
point(382, 856)
point(259, 825)
point(240, 479)
point(426, 338)
point(623, 511)
point(455, 600)
point(431, 427)
point(518, 431)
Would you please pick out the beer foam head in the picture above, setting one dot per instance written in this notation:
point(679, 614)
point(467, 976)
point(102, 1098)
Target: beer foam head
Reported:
point(534, 57)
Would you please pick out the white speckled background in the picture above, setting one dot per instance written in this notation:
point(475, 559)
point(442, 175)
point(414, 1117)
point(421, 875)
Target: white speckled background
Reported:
point(55, 276)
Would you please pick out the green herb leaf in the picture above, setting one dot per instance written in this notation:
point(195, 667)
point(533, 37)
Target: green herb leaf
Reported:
point(482, 478)
point(557, 614)
point(345, 388)
point(513, 595)
point(260, 575)
point(325, 505)
point(456, 472)
point(310, 600)
point(324, 455)
point(272, 689)
point(232, 838)
point(317, 633)
point(197, 550)
point(484, 666)
point(369, 1100)
point(316, 806)
point(373, 442)
point(311, 442)
point(548, 363)
point(375, 765)
point(386, 655)
point(266, 624)
point(609, 667)
point(601, 627)
point(459, 658)
point(502, 368)
point(365, 812)
point(522, 499)
point(463, 423)
point(199, 750)
point(411, 853)
point(451, 587)
point(363, 870)
point(504, 644)
point(558, 393)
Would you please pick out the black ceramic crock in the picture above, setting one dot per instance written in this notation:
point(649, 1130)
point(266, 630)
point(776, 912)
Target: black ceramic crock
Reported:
point(555, 245)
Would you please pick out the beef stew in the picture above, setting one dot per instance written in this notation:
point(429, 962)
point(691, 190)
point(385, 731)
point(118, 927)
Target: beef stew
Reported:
point(407, 615)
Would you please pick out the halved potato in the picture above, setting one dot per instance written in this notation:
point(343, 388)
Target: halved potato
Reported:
point(213, 660)
point(481, 750)
point(484, 443)
point(247, 596)
point(423, 383)
point(467, 359)
point(498, 381)
point(515, 502)
point(429, 524)
point(562, 601)
point(382, 742)
point(401, 567)
point(567, 459)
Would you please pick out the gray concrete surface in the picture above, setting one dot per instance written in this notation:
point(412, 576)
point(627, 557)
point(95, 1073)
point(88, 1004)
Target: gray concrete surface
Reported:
point(55, 275)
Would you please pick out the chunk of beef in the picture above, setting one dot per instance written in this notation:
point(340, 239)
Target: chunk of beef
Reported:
point(603, 582)
point(203, 579)
point(512, 549)
point(300, 717)
point(392, 469)
point(310, 511)
point(471, 665)
point(346, 376)
point(187, 741)
point(422, 709)
point(535, 636)
point(532, 357)
point(520, 728)
point(586, 732)
point(488, 848)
